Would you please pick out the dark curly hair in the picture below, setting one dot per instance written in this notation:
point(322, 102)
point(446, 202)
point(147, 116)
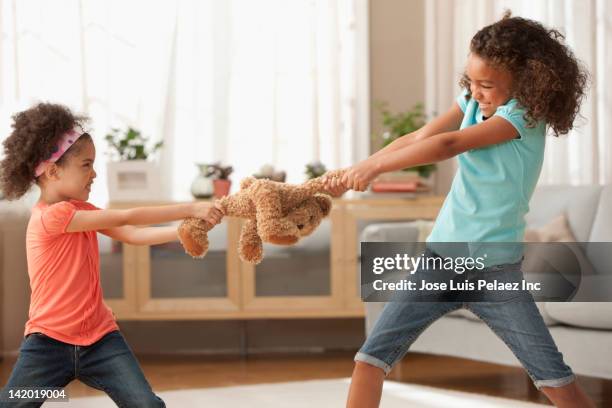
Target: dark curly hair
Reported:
point(547, 79)
point(35, 134)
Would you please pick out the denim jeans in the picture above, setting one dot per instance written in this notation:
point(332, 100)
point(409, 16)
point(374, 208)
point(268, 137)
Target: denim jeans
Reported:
point(107, 365)
point(513, 317)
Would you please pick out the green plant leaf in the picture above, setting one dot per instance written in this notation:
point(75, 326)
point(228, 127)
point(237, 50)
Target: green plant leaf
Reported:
point(399, 124)
point(130, 144)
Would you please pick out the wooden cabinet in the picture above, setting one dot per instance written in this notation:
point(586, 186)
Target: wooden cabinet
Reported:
point(318, 277)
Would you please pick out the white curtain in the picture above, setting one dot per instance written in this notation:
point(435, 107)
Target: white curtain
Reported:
point(585, 155)
point(243, 82)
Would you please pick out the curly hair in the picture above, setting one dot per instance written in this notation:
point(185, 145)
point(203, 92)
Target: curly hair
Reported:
point(35, 134)
point(547, 79)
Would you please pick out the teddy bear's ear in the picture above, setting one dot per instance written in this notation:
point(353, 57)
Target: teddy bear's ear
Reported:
point(324, 202)
point(246, 182)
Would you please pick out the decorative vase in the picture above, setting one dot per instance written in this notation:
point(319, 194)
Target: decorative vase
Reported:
point(221, 187)
point(202, 185)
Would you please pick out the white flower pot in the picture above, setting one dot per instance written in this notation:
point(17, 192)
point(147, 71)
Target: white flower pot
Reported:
point(202, 187)
point(133, 180)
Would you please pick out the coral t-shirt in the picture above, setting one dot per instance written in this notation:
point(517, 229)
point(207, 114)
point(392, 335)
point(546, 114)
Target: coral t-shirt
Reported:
point(67, 302)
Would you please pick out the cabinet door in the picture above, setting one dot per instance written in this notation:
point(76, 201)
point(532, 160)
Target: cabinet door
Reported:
point(173, 284)
point(300, 280)
point(117, 275)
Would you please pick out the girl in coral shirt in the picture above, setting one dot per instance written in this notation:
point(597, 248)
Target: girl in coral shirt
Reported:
point(71, 333)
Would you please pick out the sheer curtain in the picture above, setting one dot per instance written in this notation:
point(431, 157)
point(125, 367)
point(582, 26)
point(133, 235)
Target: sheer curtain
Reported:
point(585, 155)
point(237, 81)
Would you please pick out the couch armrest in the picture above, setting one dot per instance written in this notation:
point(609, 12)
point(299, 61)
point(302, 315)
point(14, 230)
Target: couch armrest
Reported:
point(391, 232)
point(407, 232)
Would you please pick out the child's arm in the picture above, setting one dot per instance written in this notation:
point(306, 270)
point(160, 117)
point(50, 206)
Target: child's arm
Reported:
point(132, 235)
point(105, 219)
point(448, 121)
point(430, 150)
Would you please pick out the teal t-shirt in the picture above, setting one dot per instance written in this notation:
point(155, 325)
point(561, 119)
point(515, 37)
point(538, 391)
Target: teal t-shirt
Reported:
point(490, 193)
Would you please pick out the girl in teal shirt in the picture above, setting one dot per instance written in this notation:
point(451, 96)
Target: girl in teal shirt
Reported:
point(520, 78)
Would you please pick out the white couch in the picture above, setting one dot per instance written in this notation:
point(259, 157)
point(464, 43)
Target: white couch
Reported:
point(582, 331)
point(14, 284)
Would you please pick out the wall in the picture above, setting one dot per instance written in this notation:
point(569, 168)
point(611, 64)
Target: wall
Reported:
point(397, 56)
point(397, 66)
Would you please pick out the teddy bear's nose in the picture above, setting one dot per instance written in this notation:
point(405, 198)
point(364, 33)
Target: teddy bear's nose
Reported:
point(300, 226)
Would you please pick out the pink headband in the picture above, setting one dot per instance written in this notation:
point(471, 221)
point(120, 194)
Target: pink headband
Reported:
point(63, 144)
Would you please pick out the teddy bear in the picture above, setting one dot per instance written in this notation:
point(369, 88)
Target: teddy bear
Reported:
point(275, 212)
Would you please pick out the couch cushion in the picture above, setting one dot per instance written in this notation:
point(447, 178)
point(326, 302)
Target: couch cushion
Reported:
point(391, 232)
point(592, 315)
point(579, 203)
point(539, 257)
point(557, 230)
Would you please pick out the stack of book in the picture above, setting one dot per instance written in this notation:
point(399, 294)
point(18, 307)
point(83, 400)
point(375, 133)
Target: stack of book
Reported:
point(398, 182)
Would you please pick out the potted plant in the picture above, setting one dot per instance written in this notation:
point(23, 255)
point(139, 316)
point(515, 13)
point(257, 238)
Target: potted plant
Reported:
point(402, 123)
point(131, 175)
point(221, 181)
point(315, 169)
point(267, 171)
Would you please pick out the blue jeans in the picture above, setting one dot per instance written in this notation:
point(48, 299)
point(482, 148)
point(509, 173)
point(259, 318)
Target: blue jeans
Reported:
point(513, 317)
point(107, 365)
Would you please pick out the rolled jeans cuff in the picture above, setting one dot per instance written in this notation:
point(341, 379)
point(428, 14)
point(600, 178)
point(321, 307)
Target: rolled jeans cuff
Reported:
point(560, 382)
point(366, 358)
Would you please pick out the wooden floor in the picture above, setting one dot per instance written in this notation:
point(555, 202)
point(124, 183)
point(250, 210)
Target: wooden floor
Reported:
point(172, 373)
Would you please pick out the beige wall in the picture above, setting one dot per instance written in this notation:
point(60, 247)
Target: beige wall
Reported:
point(397, 67)
point(397, 56)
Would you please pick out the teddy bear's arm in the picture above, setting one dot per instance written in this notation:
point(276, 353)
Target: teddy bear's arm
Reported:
point(298, 193)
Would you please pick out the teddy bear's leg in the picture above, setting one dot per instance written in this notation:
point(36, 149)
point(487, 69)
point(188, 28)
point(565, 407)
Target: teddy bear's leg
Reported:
point(272, 226)
point(250, 247)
